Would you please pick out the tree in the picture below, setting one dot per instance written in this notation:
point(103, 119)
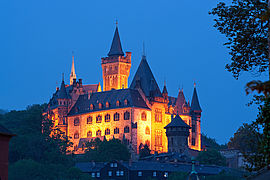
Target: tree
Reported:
point(208, 142)
point(211, 157)
point(145, 151)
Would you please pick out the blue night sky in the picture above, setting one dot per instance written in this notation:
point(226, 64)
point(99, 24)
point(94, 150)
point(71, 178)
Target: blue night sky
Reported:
point(182, 46)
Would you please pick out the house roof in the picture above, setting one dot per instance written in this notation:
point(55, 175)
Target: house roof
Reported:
point(62, 93)
point(180, 101)
point(5, 131)
point(116, 48)
point(195, 105)
point(132, 96)
point(177, 122)
point(146, 79)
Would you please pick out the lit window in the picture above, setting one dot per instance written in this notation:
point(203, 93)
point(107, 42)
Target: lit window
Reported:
point(107, 105)
point(100, 106)
point(89, 134)
point(98, 133)
point(147, 130)
point(114, 164)
point(93, 174)
point(126, 115)
point(143, 116)
point(158, 115)
point(98, 119)
point(109, 173)
point(117, 103)
point(107, 131)
point(117, 173)
point(111, 165)
point(125, 101)
point(107, 118)
point(139, 173)
point(154, 174)
point(126, 129)
point(121, 173)
point(166, 174)
point(116, 117)
point(76, 121)
point(89, 120)
point(76, 135)
point(116, 131)
point(158, 138)
point(98, 174)
point(91, 107)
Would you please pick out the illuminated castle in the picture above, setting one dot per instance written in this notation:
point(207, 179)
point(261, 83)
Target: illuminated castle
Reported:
point(136, 114)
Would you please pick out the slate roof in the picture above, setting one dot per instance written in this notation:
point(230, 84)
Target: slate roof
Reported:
point(164, 90)
point(180, 101)
point(147, 80)
point(5, 131)
point(195, 105)
point(132, 96)
point(62, 93)
point(116, 48)
point(177, 122)
point(90, 87)
point(172, 100)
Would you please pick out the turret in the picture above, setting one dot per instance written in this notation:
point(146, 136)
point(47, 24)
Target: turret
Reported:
point(72, 74)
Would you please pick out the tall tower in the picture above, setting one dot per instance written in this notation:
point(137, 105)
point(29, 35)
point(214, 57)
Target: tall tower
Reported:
point(72, 74)
point(195, 121)
point(116, 67)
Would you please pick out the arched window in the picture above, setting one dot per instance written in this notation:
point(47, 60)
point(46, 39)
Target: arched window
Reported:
point(117, 103)
point(125, 101)
point(158, 115)
point(116, 131)
point(147, 142)
point(89, 120)
point(126, 129)
point(126, 115)
point(143, 116)
point(147, 130)
point(98, 119)
point(89, 134)
point(98, 133)
point(107, 104)
point(76, 121)
point(76, 135)
point(107, 118)
point(100, 106)
point(116, 117)
point(107, 131)
point(91, 107)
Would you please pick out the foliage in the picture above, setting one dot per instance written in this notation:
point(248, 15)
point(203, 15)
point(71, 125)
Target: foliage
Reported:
point(245, 24)
point(104, 151)
point(178, 176)
point(211, 157)
point(29, 169)
point(208, 142)
point(145, 151)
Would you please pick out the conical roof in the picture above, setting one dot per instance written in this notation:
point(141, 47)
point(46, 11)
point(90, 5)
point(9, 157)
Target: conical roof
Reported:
point(177, 122)
point(180, 101)
point(116, 48)
point(195, 105)
point(164, 90)
point(147, 80)
point(62, 93)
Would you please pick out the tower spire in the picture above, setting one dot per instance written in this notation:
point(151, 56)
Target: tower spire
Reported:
point(195, 105)
point(116, 47)
point(72, 74)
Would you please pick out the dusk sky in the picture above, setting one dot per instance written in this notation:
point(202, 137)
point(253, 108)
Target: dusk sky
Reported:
point(182, 46)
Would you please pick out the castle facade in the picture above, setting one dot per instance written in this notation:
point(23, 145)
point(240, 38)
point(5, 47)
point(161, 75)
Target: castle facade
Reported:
point(136, 114)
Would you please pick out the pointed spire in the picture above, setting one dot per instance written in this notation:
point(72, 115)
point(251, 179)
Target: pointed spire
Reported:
point(72, 74)
point(180, 101)
point(62, 93)
point(195, 105)
point(165, 88)
point(116, 48)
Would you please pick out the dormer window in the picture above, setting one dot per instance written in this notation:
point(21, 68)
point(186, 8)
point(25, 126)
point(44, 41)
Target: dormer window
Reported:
point(107, 105)
point(100, 106)
point(91, 107)
point(117, 103)
point(126, 102)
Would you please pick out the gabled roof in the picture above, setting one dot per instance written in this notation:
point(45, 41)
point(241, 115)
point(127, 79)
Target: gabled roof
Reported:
point(116, 48)
point(132, 96)
point(147, 80)
point(177, 122)
point(180, 101)
point(195, 105)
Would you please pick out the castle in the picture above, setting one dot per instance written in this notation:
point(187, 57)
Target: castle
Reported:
point(136, 114)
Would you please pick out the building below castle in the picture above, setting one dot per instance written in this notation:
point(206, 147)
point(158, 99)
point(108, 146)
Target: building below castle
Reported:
point(137, 113)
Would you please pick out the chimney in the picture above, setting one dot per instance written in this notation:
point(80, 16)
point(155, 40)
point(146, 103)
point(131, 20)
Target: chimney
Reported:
point(57, 88)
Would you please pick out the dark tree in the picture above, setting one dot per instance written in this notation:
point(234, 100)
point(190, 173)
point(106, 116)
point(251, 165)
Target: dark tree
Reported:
point(145, 151)
point(211, 157)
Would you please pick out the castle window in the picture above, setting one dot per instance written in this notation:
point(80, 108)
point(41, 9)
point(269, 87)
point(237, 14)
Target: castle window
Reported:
point(91, 107)
point(126, 115)
point(193, 142)
point(117, 103)
point(147, 142)
point(158, 138)
point(76, 121)
point(98, 119)
point(89, 134)
point(126, 129)
point(116, 131)
point(100, 106)
point(76, 135)
point(158, 115)
point(89, 120)
point(98, 133)
point(107, 118)
point(143, 116)
point(107, 131)
point(125, 101)
point(147, 130)
point(107, 105)
point(116, 117)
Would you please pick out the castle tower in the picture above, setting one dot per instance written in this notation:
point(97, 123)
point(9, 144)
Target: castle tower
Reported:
point(72, 74)
point(195, 121)
point(116, 67)
point(177, 132)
